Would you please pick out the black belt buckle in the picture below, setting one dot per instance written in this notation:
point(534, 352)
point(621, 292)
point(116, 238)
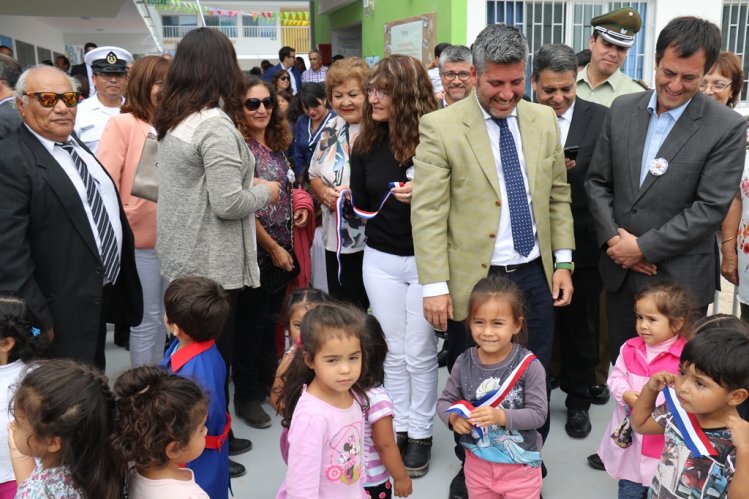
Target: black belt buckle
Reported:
point(508, 269)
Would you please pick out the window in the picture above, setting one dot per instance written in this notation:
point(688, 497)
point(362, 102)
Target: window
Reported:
point(225, 24)
point(567, 21)
point(178, 26)
point(25, 54)
point(43, 54)
point(734, 30)
point(259, 27)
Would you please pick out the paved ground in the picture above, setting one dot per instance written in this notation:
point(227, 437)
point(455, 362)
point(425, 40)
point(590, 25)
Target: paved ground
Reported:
point(569, 474)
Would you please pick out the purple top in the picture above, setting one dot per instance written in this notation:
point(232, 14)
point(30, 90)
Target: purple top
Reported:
point(276, 218)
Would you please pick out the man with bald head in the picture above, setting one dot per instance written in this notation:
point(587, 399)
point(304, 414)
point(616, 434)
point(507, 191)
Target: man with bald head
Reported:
point(67, 248)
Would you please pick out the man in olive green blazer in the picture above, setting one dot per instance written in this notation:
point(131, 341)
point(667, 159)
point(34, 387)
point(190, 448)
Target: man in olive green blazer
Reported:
point(457, 197)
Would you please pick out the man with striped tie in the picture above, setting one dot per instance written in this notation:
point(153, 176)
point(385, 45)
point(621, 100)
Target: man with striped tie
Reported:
point(66, 246)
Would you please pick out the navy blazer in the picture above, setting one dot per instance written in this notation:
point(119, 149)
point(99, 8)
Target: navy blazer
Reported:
point(268, 75)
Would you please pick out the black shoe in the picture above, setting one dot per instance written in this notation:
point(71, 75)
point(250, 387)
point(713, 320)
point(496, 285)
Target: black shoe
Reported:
point(578, 423)
point(595, 462)
point(599, 394)
point(458, 488)
point(401, 439)
point(251, 411)
point(239, 446)
point(417, 457)
point(236, 470)
point(442, 358)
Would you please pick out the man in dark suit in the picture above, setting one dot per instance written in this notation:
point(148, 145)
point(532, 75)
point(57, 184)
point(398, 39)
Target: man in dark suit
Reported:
point(580, 122)
point(84, 71)
point(665, 169)
point(66, 246)
point(287, 58)
point(10, 70)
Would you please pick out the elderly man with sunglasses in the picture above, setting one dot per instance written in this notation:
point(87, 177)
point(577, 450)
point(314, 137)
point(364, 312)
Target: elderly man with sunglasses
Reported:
point(66, 246)
point(109, 66)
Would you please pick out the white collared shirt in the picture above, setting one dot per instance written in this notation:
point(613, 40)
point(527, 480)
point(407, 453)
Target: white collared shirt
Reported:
point(106, 186)
point(91, 118)
point(565, 120)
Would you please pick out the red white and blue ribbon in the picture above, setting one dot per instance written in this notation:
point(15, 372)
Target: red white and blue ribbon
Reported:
point(695, 439)
point(345, 195)
point(494, 398)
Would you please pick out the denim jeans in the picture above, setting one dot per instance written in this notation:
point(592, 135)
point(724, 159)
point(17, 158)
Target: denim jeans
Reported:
point(632, 490)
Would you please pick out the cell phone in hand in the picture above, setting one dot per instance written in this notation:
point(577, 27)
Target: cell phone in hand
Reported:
point(571, 152)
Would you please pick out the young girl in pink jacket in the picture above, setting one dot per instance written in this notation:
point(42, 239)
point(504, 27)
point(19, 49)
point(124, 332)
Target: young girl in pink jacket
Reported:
point(663, 311)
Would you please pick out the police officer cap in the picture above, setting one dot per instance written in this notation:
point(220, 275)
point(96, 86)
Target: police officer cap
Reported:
point(618, 26)
point(108, 60)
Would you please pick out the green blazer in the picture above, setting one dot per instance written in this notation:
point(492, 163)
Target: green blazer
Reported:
point(456, 198)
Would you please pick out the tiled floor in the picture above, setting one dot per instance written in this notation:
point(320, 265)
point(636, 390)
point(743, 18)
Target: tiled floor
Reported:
point(569, 474)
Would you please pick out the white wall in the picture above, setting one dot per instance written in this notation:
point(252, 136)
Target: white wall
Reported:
point(29, 30)
point(347, 42)
point(712, 10)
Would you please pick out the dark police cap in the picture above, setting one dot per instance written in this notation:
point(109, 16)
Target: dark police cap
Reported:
point(618, 26)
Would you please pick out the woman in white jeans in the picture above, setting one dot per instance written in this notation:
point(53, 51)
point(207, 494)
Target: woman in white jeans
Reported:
point(119, 151)
point(398, 94)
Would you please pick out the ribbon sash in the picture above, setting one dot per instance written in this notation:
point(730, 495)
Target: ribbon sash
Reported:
point(494, 398)
point(363, 214)
point(686, 422)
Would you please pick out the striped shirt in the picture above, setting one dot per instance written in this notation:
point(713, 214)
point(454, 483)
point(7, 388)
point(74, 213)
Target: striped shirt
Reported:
point(380, 406)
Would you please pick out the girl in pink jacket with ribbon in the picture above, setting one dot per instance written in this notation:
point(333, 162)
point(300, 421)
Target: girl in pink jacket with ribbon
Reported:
point(663, 311)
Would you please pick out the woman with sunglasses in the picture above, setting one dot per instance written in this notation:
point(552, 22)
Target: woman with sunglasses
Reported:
point(399, 93)
point(330, 173)
point(281, 80)
point(308, 127)
point(120, 148)
point(205, 220)
point(255, 360)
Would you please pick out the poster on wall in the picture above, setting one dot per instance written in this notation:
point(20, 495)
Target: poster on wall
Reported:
point(413, 36)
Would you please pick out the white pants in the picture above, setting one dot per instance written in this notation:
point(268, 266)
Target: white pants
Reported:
point(394, 292)
point(147, 339)
point(319, 276)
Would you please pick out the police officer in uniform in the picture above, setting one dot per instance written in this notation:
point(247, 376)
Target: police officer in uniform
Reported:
point(109, 67)
point(601, 81)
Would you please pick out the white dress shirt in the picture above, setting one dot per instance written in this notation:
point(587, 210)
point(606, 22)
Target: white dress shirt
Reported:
point(106, 186)
point(565, 120)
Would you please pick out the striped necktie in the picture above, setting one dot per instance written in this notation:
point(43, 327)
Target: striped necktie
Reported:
point(517, 197)
point(109, 257)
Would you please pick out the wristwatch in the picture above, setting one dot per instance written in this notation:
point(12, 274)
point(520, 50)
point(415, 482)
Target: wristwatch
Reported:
point(565, 265)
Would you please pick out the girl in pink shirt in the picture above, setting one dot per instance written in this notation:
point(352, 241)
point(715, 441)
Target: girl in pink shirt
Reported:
point(663, 311)
point(323, 406)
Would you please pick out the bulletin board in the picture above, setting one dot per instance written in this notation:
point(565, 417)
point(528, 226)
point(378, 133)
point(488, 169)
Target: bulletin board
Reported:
point(412, 36)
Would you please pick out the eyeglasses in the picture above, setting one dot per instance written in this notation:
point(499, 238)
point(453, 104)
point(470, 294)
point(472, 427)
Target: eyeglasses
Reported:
point(376, 92)
point(254, 104)
point(50, 99)
point(715, 85)
point(450, 75)
point(284, 78)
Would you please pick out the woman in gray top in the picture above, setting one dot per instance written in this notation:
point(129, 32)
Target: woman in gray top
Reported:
point(205, 221)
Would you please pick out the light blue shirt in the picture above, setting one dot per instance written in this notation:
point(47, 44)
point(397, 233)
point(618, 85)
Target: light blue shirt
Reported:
point(658, 129)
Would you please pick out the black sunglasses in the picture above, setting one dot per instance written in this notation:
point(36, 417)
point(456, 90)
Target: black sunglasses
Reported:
point(254, 104)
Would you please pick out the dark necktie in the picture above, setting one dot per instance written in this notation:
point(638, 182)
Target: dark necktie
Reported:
point(520, 213)
point(109, 257)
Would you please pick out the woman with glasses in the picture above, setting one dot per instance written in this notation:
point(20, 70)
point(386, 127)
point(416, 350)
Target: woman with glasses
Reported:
point(264, 128)
point(120, 149)
point(281, 80)
point(399, 93)
point(723, 83)
point(309, 127)
point(330, 173)
point(205, 219)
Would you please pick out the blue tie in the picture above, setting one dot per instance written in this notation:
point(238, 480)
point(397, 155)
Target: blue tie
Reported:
point(109, 257)
point(520, 214)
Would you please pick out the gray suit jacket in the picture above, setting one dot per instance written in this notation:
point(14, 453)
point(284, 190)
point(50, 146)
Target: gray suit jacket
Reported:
point(674, 215)
point(10, 120)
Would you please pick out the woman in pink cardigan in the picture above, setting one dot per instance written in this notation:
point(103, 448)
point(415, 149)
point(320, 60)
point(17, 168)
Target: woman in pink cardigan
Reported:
point(119, 151)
